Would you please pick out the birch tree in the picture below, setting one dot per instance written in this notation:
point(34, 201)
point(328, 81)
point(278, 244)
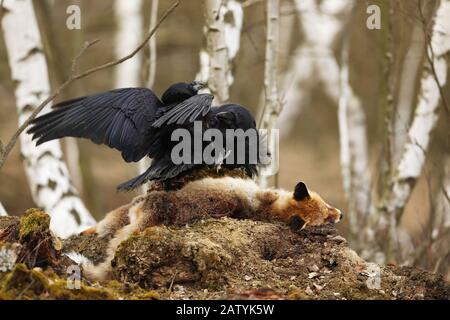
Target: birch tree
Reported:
point(55, 52)
point(272, 105)
point(2, 210)
point(353, 150)
point(47, 174)
point(222, 45)
point(146, 162)
point(441, 219)
point(128, 37)
point(425, 118)
point(407, 90)
point(152, 45)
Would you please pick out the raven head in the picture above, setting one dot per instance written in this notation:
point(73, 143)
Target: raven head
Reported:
point(181, 91)
point(234, 116)
point(197, 85)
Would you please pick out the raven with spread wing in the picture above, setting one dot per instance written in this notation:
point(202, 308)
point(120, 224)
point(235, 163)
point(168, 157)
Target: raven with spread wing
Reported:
point(121, 118)
point(227, 116)
point(138, 124)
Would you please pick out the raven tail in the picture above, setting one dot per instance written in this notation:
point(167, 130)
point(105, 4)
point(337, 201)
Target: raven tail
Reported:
point(136, 181)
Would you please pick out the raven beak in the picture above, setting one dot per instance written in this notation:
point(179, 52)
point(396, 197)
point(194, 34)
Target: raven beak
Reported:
point(198, 85)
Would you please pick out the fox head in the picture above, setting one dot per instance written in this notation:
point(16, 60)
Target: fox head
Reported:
point(308, 208)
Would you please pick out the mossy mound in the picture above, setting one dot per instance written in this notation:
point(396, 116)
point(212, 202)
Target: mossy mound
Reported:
point(33, 266)
point(37, 284)
point(210, 259)
point(228, 258)
point(23, 283)
point(32, 223)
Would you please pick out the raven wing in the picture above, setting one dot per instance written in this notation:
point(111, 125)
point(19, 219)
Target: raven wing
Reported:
point(120, 118)
point(187, 111)
point(161, 169)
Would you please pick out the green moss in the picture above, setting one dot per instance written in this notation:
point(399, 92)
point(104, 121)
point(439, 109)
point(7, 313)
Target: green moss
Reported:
point(296, 293)
point(32, 222)
point(148, 295)
point(23, 283)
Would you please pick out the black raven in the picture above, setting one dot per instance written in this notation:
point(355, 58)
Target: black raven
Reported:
point(121, 118)
point(227, 116)
point(138, 124)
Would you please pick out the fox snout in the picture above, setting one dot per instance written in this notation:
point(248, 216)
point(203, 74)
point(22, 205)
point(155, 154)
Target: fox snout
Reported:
point(335, 215)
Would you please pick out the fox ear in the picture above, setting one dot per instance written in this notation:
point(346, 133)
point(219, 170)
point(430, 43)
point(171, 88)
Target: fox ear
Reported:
point(301, 192)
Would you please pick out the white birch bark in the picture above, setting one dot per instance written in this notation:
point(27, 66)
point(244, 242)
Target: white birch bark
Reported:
point(2, 210)
point(272, 105)
point(222, 45)
point(353, 150)
point(407, 90)
point(146, 162)
point(425, 115)
point(72, 153)
point(47, 174)
point(152, 45)
point(128, 37)
point(441, 219)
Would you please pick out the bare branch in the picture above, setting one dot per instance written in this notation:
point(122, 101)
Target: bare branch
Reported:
point(78, 76)
point(86, 46)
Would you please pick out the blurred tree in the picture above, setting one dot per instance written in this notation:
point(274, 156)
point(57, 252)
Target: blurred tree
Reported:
point(272, 105)
point(407, 92)
point(78, 159)
point(407, 172)
point(151, 61)
point(223, 25)
point(322, 24)
point(2, 210)
point(47, 174)
point(128, 36)
point(354, 155)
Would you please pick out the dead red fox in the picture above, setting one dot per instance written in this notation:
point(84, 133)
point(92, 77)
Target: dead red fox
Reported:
point(212, 197)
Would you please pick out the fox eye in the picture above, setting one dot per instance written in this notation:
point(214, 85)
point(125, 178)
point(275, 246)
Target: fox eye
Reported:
point(296, 223)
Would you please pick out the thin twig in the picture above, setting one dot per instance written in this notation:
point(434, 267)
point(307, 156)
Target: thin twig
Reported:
point(74, 77)
point(86, 46)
